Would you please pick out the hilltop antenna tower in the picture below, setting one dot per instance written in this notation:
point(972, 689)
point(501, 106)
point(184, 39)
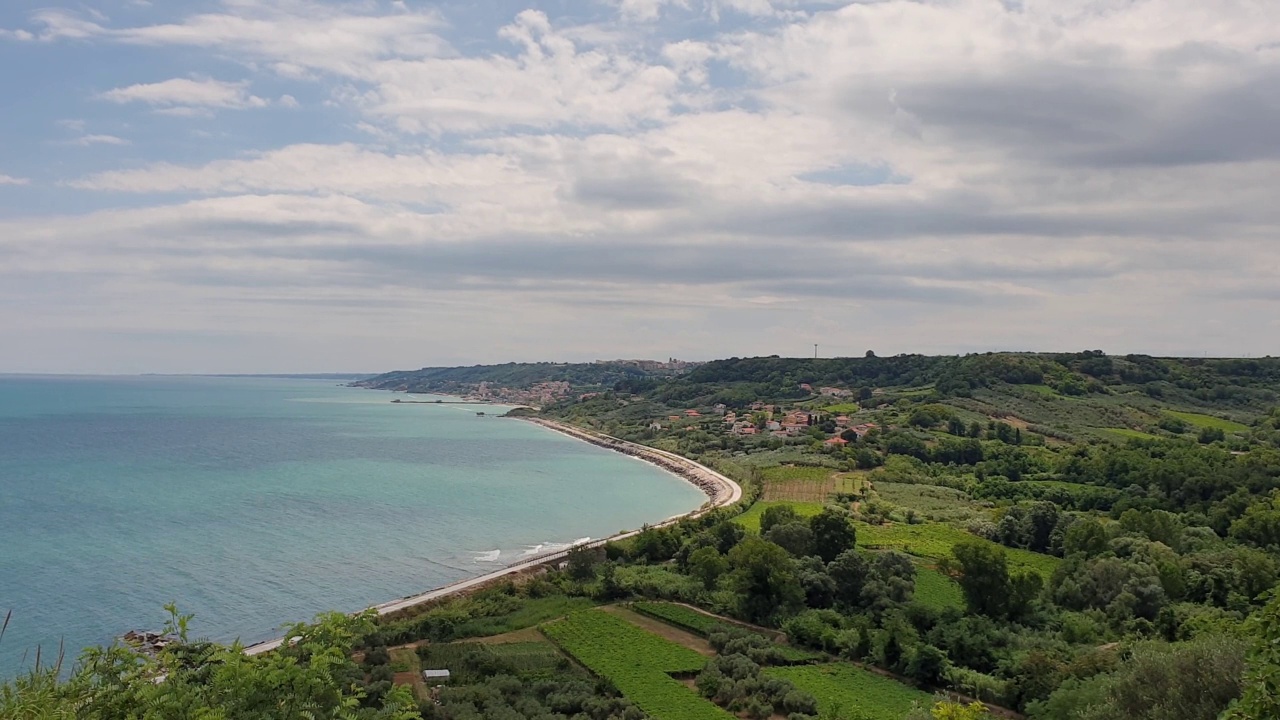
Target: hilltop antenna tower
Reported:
point(815, 351)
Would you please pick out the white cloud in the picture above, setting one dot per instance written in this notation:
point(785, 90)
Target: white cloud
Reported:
point(646, 10)
point(300, 34)
point(11, 180)
point(959, 174)
point(186, 96)
point(87, 140)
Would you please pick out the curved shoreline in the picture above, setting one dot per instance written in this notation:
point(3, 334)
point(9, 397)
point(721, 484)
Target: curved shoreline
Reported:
point(720, 491)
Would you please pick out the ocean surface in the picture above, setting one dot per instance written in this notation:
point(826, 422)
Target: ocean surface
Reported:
point(255, 502)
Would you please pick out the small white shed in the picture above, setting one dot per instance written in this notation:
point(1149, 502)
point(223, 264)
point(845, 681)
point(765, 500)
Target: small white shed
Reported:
point(436, 676)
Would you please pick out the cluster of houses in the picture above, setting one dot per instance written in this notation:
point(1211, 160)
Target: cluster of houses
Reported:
point(791, 423)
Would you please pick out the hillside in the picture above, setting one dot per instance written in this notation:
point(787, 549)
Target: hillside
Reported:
point(1060, 536)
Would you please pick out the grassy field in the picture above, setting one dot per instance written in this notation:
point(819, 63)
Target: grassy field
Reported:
point(940, 504)
point(936, 590)
point(637, 662)
point(751, 518)
point(841, 408)
point(805, 483)
point(1209, 421)
point(843, 689)
point(935, 540)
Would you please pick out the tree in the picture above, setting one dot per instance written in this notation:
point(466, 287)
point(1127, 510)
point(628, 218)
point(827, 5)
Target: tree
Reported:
point(727, 534)
point(982, 570)
point(581, 563)
point(1088, 537)
point(1196, 680)
point(849, 572)
point(313, 676)
point(1261, 523)
point(928, 664)
point(1260, 698)
point(777, 515)
point(794, 537)
point(707, 564)
point(765, 578)
point(983, 573)
point(833, 533)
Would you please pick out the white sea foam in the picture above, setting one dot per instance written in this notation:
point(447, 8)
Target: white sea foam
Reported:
point(488, 556)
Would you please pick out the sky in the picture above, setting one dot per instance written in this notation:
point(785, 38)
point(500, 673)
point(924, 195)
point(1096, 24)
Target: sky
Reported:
point(304, 186)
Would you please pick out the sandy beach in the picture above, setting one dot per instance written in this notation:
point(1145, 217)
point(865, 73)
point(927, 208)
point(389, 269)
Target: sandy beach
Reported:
point(720, 490)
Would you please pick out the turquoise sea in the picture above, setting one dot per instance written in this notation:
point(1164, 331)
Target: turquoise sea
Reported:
point(256, 502)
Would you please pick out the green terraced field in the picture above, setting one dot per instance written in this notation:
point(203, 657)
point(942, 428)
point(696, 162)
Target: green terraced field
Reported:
point(679, 616)
point(842, 688)
point(1209, 421)
point(637, 662)
point(936, 590)
point(934, 541)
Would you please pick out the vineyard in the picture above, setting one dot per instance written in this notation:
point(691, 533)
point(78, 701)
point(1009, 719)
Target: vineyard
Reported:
point(934, 541)
point(848, 691)
point(678, 615)
point(935, 590)
point(637, 662)
point(806, 483)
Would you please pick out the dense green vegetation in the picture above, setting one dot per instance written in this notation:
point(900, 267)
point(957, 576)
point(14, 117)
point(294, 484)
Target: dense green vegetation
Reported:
point(1069, 536)
point(521, 375)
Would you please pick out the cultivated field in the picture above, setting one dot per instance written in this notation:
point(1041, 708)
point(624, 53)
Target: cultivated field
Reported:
point(845, 690)
point(936, 590)
point(1209, 421)
point(637, 662)
point(803, 483)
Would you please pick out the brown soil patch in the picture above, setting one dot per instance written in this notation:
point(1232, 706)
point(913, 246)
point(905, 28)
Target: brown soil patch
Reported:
point(529, 634)
point(663, 630)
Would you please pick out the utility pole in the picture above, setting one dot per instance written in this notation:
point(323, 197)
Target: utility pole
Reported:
point(815, 351)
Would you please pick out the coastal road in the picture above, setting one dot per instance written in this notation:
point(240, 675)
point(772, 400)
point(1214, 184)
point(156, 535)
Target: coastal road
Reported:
point(721, 490)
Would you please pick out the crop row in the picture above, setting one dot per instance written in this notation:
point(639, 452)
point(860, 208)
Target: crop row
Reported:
point(937, 590)
point(678, 615)
point(845, 690)
point(637, 662)
point(807, 473)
